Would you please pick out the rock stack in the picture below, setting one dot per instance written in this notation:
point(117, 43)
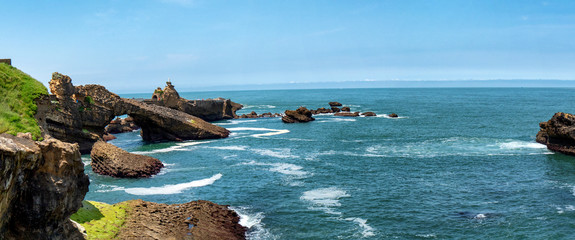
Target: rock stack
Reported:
point(110, 160)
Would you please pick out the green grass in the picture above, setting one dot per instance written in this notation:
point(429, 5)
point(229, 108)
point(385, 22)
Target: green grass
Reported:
point(17, 94)
point(101, 220)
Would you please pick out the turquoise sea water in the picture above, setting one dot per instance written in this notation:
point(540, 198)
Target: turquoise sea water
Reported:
point(458, 164)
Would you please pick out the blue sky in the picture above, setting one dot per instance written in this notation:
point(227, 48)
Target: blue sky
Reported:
point(135, 46)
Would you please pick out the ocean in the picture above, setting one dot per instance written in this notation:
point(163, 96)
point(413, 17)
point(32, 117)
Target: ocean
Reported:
point(458, 163)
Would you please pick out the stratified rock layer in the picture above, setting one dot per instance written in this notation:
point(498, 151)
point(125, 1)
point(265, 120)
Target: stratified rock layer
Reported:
point(558, 133)
point(193, 220)
point(79, 115)
point(110, 160)
point(300, 115)
point(41, 185)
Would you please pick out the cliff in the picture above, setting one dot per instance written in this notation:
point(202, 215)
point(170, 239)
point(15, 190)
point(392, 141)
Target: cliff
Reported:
point(558, 133)
point(41, 185)
point(208, 110)
point(80, 114)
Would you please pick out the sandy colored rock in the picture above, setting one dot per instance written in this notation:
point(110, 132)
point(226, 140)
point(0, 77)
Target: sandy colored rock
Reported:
point(194, 220)
point(110, 160)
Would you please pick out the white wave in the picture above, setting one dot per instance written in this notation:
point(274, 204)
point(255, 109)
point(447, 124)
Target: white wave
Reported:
point(172, 189)
point(236, 148)
point(325, 199)
point(271, 132)
point(429, 235)
point(342, 119)
point(258, 106)
point(480, 216)
point(566, 208)
point(177, 147)
point(277, 153)
point(236, 121)
point(521, 144)
point(253, 222)
point(283, 168)
point(367, 231)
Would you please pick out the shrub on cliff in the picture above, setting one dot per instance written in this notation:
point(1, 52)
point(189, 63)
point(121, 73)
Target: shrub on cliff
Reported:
point(17, 106)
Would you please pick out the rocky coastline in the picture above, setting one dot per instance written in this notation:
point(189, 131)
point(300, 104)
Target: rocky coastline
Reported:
point(110, 160)
point(558, 133)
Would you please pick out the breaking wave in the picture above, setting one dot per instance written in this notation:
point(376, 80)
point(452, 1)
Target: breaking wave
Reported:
point(171, 189)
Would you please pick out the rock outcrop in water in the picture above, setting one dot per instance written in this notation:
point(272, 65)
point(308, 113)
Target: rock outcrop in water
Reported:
point(300, 115)
point(41, 185)
point(208, 110)
point(193, 220)
point(110, 160)
point(121, 125)
point(80, 114)
point(347, 114)
point(558, 133)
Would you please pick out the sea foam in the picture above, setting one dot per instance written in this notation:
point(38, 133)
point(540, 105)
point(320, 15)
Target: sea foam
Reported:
point(177, 147)
point(172, 189)
point(366, 230)
point(325, 199)
point(253, 222)
point(271, 132)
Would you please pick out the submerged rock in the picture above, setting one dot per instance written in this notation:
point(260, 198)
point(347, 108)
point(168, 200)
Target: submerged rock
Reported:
point(393, 115)
point(300, 115)
point(110, 160)
point(558, 133)
point(41, 185)
point(369, 114)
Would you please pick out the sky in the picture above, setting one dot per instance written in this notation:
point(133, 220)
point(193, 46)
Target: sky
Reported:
point(135, 46)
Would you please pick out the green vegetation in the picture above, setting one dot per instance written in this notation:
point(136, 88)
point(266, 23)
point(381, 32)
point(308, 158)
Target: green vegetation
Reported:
point(101, 220)
point(89, 100)
point(17, 94)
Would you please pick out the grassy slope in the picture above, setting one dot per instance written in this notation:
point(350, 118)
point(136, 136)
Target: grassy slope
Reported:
point(101, 220)
point(17, 93)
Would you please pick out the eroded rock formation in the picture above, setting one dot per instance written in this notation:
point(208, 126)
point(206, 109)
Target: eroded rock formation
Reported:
point(110, 160)
point(41, 185)
point(347, 114)
point(79, 114)
point(300, 115)
point(121, 125)
point(193, 220)
point(558, 133)
point(208, 110)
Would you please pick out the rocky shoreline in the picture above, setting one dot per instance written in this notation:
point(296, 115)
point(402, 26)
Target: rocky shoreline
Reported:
point(558, 133)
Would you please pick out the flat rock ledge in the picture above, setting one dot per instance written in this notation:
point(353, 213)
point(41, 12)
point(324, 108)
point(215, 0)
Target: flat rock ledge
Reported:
point(193, 220)
point(300, 115)
point(558, 133)
point(110, 160)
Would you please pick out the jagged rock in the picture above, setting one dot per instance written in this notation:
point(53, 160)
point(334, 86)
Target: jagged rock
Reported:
point(369, 114)
point(335, 104)
point(347, 114)
point(345, 109)
point(41, 185)
point(108, 137)
point(300, 115)
point(208, 110)
point(558, 133)
point(80, 114)
point(393, 115)
point(110, 160)
point(335, 109)
point(192, 220)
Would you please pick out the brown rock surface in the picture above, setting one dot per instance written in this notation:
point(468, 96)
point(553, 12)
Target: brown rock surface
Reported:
point(193, 220)
point(347, 114)
point(369, 114)
point(110, 160)
point(300, 115)
point(41, 185)
point(345, 109)
point(335, 104)
point(393, 115)
point(79, 114)
point(558, 133)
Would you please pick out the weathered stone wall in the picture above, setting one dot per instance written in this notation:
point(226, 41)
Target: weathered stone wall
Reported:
point(7, 61)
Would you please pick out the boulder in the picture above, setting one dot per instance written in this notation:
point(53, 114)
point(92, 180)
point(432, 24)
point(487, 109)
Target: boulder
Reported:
point(335, 104)
point(347, 114)
point(110, 160)
point(558, 133)
point(322, 110)
point(120, 125)
point(300, 115)
point(345, 109)
point(41, 185)
point(369, 114)
point(108, 137)
point(393, 115)
point(335, 109)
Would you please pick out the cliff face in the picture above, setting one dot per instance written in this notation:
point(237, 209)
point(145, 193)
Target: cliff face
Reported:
point(41, 185)
point(80, 114)
point(558, 133)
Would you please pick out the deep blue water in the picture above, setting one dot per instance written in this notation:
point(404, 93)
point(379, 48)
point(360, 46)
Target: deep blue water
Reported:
point(457, 164)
